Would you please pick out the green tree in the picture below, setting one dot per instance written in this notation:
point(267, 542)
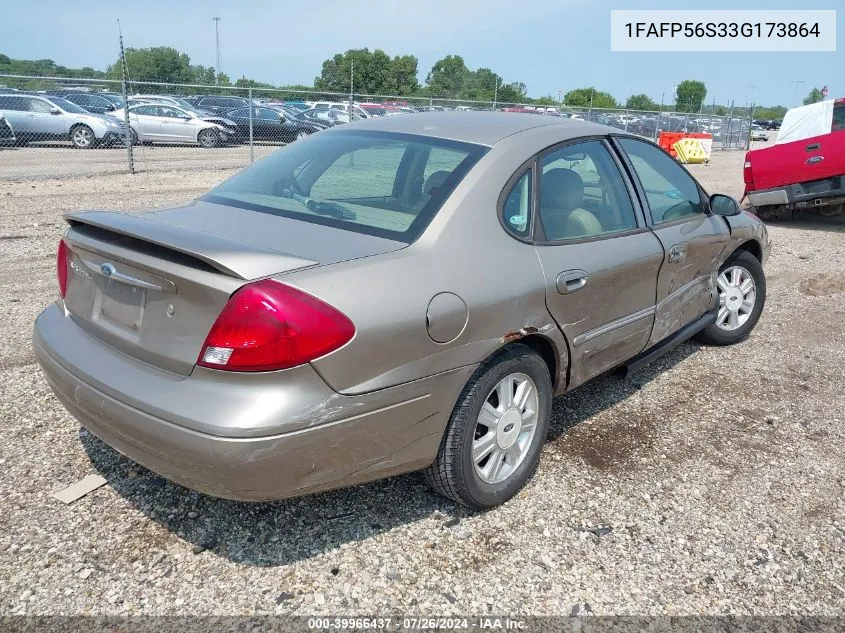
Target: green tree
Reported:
point(690, 95)
point(375, 73)
point(160, 64)
point(589, 98)
point(641, 102)
point(514, 92)
point(402, 76)
point(814, 97)
point(448, 77)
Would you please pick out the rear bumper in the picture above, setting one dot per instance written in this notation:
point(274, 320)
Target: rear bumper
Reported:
point(311, 438)
point(802, 195)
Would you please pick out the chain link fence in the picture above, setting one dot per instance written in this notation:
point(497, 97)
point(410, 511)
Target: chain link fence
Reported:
point(173, 127)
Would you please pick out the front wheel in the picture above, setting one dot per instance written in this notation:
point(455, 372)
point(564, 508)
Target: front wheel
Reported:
point(492, 445)
point(83, 137)
point(741, 284)
point(208, 138)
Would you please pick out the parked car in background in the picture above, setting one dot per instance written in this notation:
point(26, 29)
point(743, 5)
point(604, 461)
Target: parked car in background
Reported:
point(217, 105)
point(160, 123)
point(182, 104)
point(270, 124)
point(758, 133)
point(329, 116)
point(46, 118)
point(238, 344)
point(805, 168)
point(87, 101)
point(7, 134)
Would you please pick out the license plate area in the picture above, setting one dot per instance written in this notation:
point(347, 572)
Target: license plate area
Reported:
point(121, 305)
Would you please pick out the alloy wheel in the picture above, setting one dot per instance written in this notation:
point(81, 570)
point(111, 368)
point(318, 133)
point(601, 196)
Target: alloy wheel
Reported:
point(505, 428)
point(737, 296)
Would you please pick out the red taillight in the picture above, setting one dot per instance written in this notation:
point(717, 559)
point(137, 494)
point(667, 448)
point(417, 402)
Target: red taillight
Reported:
point(267, 325)
point(747, 176)
point(62, 261)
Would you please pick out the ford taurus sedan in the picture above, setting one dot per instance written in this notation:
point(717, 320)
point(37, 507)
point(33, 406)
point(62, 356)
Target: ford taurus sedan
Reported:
point(398, 294)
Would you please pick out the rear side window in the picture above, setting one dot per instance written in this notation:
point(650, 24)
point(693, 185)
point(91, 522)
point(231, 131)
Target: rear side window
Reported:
point(838, 118)
point(517, 207)
point(366, 182)
point(16, 104)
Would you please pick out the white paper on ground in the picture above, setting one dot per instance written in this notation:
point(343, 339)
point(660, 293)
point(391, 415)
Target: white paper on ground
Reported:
point(79, 489)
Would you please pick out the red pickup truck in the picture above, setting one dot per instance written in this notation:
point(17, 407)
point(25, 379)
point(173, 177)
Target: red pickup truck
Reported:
point(805, 168)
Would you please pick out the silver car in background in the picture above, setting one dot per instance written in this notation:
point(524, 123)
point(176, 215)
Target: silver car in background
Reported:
point(36, 118)
point(161, 123)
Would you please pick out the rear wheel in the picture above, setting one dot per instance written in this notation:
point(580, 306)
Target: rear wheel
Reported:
point(492, 445)
point(82, 137)
point(742, 293)
point(208, 138)
point(301, 134)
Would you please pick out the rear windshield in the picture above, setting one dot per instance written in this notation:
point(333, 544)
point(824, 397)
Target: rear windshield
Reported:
point(378, 183)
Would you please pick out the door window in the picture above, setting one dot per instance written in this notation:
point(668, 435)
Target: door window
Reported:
point(582, 193)
point(16, 104)
point(145, 110)
point(171, 113)
point(37, 105)
point(838, 118)
point(671, 192)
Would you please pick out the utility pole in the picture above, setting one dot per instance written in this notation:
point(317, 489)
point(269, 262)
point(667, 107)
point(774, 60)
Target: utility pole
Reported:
point(495, 91)
point(217, 40)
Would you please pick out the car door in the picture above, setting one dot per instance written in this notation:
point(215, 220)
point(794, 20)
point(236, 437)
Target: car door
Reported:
point(600, 260)
point(693, 239)
point(147, 122)
point(178, 125)
point(47, 119)
point(16, 111)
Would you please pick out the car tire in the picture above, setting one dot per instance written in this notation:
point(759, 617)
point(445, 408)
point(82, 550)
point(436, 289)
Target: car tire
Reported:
point(82, 137)
point(208, 138)
point(464, 469)
point(301, 135)
point(733, 323)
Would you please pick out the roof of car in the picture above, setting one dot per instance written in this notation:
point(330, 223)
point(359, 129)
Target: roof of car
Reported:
point(481, 128)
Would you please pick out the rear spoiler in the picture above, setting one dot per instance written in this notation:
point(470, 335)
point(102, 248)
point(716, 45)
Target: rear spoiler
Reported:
point(234, 259)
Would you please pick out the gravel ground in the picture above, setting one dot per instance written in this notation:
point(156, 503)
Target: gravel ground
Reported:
point(709, 483)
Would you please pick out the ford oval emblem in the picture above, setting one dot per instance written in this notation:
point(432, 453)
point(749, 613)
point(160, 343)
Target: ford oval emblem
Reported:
point(814, 159)
point(107, 269)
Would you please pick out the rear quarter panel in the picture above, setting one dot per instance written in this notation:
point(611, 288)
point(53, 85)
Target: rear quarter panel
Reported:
point(799, 161)
point(465, 252)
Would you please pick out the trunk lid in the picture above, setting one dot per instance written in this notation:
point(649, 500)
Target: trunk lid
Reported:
point(151, 285)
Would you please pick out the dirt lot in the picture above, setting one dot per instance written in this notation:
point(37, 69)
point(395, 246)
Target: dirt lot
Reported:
point(709, 483)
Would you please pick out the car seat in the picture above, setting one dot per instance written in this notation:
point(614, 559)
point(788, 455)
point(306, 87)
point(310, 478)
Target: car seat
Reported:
point(561, 206)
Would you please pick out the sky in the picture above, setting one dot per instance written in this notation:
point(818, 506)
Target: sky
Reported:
point(549, 45)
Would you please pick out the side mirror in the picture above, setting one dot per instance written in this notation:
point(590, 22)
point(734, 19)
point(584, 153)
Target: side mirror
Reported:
point(720, 204)
point(55, 111)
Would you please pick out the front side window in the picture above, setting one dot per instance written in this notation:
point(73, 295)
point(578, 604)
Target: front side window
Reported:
point(582, 193)
point(37, 105)
point(365, 182)
point(145, 110)
point(671, 192)
point(171, 113)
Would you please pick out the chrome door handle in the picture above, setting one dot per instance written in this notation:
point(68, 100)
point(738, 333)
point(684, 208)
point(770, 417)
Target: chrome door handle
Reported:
point(571, 281)
point(677, 253)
